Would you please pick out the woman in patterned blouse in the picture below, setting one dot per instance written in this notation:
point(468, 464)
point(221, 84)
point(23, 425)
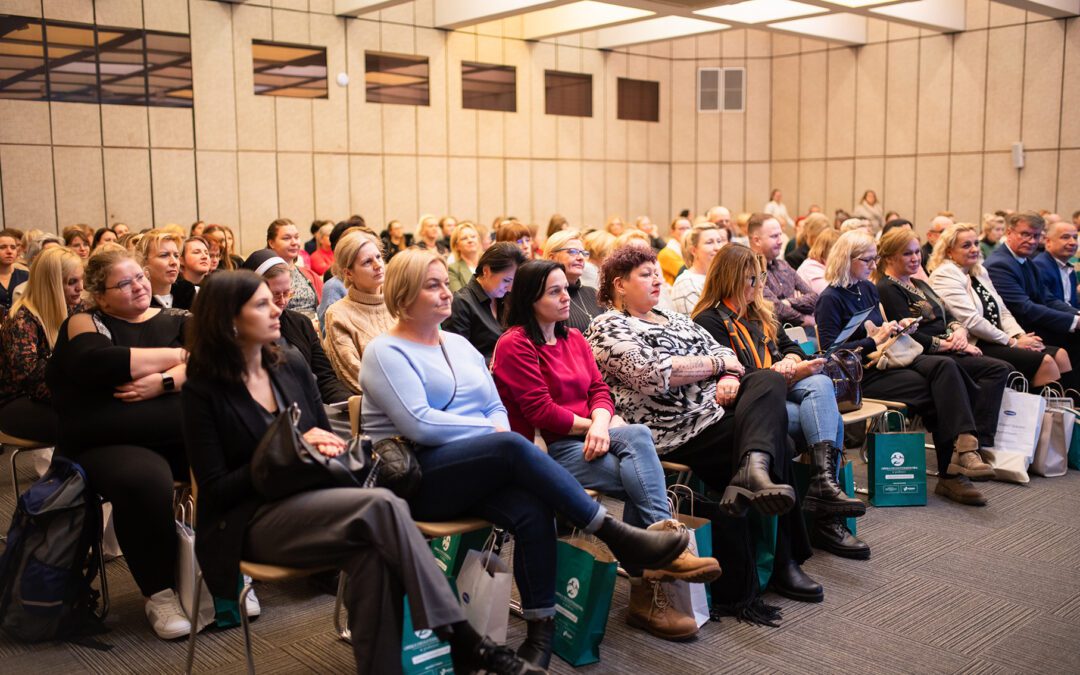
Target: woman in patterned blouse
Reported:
point(27, 340)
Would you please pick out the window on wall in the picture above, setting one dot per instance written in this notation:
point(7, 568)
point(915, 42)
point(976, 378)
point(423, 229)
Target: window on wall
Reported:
point(567, 93)
point(639, 100)
point(721, 89)
point(396, 78)
point(63, 61)
point(488, 87)
point(296, 71)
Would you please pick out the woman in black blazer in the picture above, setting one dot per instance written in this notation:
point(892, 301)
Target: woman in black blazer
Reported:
point(239, 382)
point(477, 310)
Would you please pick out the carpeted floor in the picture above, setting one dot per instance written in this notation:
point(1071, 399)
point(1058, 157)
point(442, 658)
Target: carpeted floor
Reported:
point(949, 589)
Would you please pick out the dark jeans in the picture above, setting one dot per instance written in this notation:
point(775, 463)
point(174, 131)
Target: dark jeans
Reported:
point(506, 479)
point(29, 419)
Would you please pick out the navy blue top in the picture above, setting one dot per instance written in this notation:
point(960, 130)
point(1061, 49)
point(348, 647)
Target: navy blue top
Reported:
point(836, 305)
point(18, 275)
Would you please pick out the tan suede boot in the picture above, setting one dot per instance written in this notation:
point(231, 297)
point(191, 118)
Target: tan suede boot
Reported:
point(651, 611)
point(687, 567)
point(967, 461)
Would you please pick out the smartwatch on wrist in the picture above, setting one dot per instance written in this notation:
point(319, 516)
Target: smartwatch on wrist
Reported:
point(168, 382)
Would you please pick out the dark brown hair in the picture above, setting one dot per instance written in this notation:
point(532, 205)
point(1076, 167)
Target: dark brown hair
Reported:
point(213, 350)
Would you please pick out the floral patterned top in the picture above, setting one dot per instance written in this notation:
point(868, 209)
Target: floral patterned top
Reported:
point(634, 357)
point(304, 298)
point(24, 352)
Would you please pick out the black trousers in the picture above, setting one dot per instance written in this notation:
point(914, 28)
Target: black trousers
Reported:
point(30, 419)
point(756, 421)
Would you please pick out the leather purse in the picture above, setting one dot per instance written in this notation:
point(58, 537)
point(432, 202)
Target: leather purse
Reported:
point(844, 368)
point(284, 463)
point(396, 467)
point(899, 351)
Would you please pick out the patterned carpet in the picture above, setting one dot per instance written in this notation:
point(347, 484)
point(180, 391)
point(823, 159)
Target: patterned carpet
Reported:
point(948, 589)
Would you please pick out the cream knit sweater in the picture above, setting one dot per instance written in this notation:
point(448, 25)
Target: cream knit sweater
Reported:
point(351, 323)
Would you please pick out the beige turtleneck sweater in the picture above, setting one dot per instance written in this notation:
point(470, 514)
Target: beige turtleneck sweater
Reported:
point(351, 323)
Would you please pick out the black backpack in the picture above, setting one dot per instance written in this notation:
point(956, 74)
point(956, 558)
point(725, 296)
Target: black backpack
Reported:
point(52, 556)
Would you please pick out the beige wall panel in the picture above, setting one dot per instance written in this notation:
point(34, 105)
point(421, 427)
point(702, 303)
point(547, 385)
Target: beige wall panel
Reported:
point(708, 46)
point(1069, 182)
point(902, 96)
point(811, 105)
point(119, 13)
point(463, 139)
point(1042, 85)
point(171, 128)
point(432, 185)
point(592, 195)
point(811, 186)
point(785, 108)
point(659, 206)
point(785, 177)
point(463, 190)
point(213, 79)
point(1070, 122)
point(593, 128)
point(899, 192)
point(332, 187)
point(733, 44)
point(568, 54)
point(684, 48)
point(899, 31)
point(935, 81)
point(29, 200)
point(166, 15)
point(400, 14)
point(637, 140)
point(659, 149)
point(519, 188)
point(291, 26)
point(568, 141)
point(931, 187)
point(516, 126)
point(431, 120)
point(68, 10)
point(707, 143)
point(877, 30)
point(399, 128)
point(545, 199)
point(977, 14)
point(1038, 181)
point(732, 137)
point(758, 43)
point(258, 197)
point(125, 126)
point(840, 121)
point(707, 187)
point(732, 185)
point(1004, 78)
point(543, 126)
point(969, 91)
point(255, 114)
point(22, 7)
point(683, 117)
point(840, 190)
point(80, 186)
point(637, 191)
point(292, 126)
point(1004, 15)
point(758, 184)
point(808, 45)
point(965, 187)
point(683, 195)
point(298, 5)
point(366, 189)
point(785, 44)
point(660, 50)
point(616, 131)
point(216, 179)
point(365, 119)
point(758, 109)
point(870, 175)
point(489, 49)
point(491, 142)
point(615, 191)
point(330, 125)
point(76, 123)
point(870, 83)
point(321, 6)
point(569, 192)
point(127, 187)
point(1000, 182)
point(24, 122)
point(400, 190)
point(173, 176)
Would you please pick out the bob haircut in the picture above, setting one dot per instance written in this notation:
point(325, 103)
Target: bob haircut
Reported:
point(151, 242)
point(512, 232)
point(348, 249)
point(73, 232)
point(455, 234)
point(599, 244)
point(823, 243)
point(890, 246)
point(213, 349)
point(619, 265)
point(529, 285)
point(850, 245)
point(559, 240)
point(499, 257)
point(405, 275)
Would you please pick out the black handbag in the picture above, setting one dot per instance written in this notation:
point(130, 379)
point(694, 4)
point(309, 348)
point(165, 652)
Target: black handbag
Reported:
point(396, 467)
point(285, 464)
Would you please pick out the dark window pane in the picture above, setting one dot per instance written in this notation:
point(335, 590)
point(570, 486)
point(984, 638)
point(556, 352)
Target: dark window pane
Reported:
point(72, 62)
point(733, 88)
point(639, 100)
point(567, 93)
point(396, 78)
point(168, 61)
point(488, 87)
point(289, 70)
point(123, 66)
point(22, 59)
point(708, 89)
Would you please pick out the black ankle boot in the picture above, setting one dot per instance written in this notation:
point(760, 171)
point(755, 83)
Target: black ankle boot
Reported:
point(751, 486)
point(635, 547)
point(537, 646)
point(472, 653)
point(832, 535)
point(790, 581)
point(824, 496)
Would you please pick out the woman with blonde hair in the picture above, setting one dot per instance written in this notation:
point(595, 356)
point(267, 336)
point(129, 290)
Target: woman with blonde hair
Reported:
point(807, 232)
point(466, 249)
point(699, 247)
point(27, 340)
point(615, 226)
point(812, 270)
point(428, 235)
point(566, 248)
point(160, 254)
point(599, 244)
point(993, 228)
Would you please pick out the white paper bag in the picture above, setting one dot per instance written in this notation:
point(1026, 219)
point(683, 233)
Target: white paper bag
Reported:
point(1052, 453)
point(1019, 423)
point(484, 590)
point(687, 598)
point(1010, 467)
point(187, 570)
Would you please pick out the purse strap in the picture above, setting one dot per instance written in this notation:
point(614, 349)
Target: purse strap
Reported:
point(453, 393)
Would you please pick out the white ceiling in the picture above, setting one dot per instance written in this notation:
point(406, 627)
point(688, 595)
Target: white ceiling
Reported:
point(621, 23)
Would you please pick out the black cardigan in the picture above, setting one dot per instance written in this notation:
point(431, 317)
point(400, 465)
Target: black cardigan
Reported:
point(297, 331)
point(222, 427)
point(471, 318)
point(900, 303)
point(719, 322)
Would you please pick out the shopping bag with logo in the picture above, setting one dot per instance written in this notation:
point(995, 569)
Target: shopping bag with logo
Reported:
point(484, 590)
point(450, 551)
point(1052, 452)
point(584, 583)
point(896, 465)
point(422, 652)
point(1074, 445)
point(691, 599)
point(187, 569)
point(763, 529)
point(1019, 424)
point(845, 477)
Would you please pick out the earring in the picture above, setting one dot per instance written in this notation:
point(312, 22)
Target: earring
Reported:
point(235, 332)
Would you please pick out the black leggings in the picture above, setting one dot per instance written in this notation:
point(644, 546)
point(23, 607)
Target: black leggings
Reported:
point(29, 419)
point(139, 483)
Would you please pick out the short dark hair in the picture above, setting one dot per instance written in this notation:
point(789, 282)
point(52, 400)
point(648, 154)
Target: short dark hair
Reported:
point(529, 284)
point(500, 256)
point(339, 229)
point(1030, 217)
point(213, 351)
point(755, 222)
point(619, 265)
point(895, 223)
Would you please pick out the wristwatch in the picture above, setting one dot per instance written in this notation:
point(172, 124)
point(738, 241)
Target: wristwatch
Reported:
point(168, 382)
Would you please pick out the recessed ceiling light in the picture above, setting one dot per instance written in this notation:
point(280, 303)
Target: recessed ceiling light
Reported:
point(761, 11)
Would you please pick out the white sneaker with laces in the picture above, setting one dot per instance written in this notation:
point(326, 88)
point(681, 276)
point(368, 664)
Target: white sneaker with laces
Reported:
point(166, 615)
point(252, 605)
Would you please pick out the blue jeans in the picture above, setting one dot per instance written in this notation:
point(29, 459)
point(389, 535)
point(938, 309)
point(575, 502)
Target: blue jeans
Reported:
point(812, 411)
point(504, 478)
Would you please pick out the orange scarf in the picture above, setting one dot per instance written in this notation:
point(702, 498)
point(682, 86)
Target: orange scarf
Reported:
point(741, 336)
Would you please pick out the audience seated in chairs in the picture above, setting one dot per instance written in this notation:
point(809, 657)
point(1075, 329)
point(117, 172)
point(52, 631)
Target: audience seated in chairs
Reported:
point(472, 464)
point(120, 419)
point(566, 248)
point(793, 299)
point(334, 288)
point(195, 264)
point(466, 250)
point(283, 238)
point(478, 311)
point(699, 248)
point(668, 373)
point(27, 339)
point(933, 386)
point(812, 270)
point(736, 314)
point(11, 276)
point(160, 253)
point(548, 381)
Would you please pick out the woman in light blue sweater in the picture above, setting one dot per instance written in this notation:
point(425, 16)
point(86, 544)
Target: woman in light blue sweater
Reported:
point(434, 389)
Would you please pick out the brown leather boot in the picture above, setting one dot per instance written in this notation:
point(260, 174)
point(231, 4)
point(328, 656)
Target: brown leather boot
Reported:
point(651, 611)
point(687, 567)
point(959, 489)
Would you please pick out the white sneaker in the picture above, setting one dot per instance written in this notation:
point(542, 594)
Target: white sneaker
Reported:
point(252, 605)
point(166, 615)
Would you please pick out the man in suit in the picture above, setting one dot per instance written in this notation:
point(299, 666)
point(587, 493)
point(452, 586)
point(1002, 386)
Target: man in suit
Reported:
point(1055, 269)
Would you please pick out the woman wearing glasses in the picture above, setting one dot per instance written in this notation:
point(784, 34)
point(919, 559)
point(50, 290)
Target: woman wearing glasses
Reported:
point(566, 248)
point(113, 376)
point(933, 386)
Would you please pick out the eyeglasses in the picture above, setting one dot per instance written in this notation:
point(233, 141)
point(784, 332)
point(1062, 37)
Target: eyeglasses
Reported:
point(124, 285)
point(524, 240)
point(758, 279)
point(574, 252)
point(282, 296)
point(869, 260)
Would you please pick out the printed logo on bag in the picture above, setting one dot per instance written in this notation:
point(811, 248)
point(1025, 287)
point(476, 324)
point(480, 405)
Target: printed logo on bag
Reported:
point(1010, 413)
point(897, 458)
point(573, 587)
point(465, 597)
point(422, 634)
point(446, 543)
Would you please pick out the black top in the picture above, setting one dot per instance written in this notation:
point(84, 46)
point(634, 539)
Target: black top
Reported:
point(83, 375)
point(183, 294)
point(836, 305)
point(720, 322)
point(902, 303)
point(18, 275)
point(390, 248)
point(471, 318)
point(583, 306)
point(222, 427)
point(298, 333)
point(797, 255)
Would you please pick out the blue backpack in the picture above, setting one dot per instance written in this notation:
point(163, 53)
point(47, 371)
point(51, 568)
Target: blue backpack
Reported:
point(51, 558)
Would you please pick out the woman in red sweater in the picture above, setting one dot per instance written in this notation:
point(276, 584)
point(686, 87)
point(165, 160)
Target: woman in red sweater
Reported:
point(548, 381)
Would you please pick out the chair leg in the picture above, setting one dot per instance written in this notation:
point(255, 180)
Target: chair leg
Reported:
point(104, 583)
point(15, 452)
point(342, 631)
point(247, 628)
point(194, 626)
